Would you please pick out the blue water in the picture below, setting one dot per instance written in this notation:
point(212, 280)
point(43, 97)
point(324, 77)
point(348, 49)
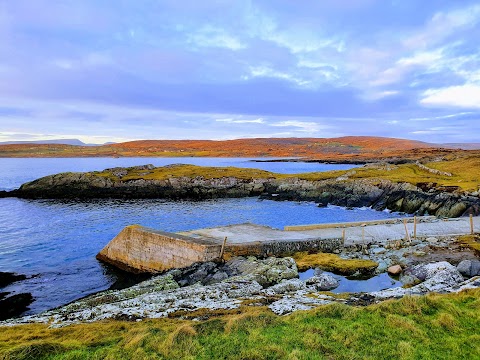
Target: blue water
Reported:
point(57, 240)
point(351, 285)
point(15, 172)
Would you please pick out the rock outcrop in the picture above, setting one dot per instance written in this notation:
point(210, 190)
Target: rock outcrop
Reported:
point(376, 193)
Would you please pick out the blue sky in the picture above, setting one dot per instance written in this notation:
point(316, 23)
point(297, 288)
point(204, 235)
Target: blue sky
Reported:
point(102, 70)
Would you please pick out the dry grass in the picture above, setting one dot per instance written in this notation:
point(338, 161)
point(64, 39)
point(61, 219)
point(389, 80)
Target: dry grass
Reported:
point(464, 174)
point(470, 241)
point(333, 263)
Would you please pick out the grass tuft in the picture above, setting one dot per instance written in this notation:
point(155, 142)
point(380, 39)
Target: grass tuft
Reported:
point(333, 263)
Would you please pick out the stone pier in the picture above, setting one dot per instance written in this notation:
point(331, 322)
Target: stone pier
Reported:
point(140, 249)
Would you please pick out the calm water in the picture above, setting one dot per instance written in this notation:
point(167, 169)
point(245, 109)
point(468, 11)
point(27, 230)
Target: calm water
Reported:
point(15, 172)
point(351, 285)
point(57, 240)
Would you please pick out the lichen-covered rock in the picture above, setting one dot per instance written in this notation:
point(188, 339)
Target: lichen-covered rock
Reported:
point(286, 286)
point(322, 282)
point(342, 191)
point(298, 301)
point(437, 277)
point(266, 272)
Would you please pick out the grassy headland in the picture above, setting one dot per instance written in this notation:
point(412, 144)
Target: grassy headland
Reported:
point(463, 169)
point(428, 327)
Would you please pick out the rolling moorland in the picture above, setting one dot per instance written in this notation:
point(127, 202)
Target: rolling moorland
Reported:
point(344, 149)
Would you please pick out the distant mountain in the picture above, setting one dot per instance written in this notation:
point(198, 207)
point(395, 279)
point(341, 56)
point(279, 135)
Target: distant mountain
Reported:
point(55, 141)
point(74, 142)
point(463, 146)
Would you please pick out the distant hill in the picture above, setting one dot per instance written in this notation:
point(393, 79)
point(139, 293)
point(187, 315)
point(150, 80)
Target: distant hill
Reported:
point(75, 142)
point(56, 141)
point(349, 148)
point(464, 146)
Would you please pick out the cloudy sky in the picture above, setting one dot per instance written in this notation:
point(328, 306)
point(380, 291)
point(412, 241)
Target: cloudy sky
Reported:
point(119, 70)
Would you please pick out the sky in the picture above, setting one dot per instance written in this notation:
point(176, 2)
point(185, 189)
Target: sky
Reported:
point(119, 70)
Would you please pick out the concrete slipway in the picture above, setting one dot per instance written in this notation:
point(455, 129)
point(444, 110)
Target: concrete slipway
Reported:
point(147, 250)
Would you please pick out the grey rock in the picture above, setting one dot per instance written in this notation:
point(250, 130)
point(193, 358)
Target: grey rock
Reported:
point(286, 286)
point(378, 251)
point(299, 301)
point(469, 268)
point(266, 272)
point(432, 240)
point(322, 282)
point(382, 267)
point(439, 277)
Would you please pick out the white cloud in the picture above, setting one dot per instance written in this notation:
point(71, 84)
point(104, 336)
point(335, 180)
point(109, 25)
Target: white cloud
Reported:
point(267, 71)
point(304, 126)
point(94, 59)
point(241, 121)
point(442, 24)
point(464, 96)
point(210, 36)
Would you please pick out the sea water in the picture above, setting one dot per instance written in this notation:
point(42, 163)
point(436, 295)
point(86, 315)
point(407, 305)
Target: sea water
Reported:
point(55, 241)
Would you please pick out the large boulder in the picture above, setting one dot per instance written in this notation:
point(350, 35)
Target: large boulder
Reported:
point(14, 305)
point(436, 277)
point(266, 272)
point(469, 268)
point(6, 278)
point(322, 282)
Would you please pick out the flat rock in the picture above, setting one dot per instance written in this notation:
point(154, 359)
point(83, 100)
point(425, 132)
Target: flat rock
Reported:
point(298, 301)
point(286, 286)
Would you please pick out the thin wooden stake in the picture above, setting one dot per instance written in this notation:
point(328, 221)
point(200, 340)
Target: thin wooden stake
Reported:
point(406, 230)
point(471, 224)
point(363, 235)
point(415, 227)
point(223, 248)
point(343, 237)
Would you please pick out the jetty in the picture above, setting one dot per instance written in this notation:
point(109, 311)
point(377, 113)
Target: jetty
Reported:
point(140, 249)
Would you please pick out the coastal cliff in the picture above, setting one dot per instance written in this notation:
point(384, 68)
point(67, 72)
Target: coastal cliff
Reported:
point(350, 189)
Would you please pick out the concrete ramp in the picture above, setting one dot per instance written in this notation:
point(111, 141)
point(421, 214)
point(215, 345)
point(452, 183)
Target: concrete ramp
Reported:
point(139, 249)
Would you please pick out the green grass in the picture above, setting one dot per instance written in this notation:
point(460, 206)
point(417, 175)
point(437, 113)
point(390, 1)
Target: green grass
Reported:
point(429, 327)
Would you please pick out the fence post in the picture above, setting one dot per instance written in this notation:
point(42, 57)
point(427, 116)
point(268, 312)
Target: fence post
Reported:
point(406, 230)
point(223, 248)
point(471, 224)
point(415, 227)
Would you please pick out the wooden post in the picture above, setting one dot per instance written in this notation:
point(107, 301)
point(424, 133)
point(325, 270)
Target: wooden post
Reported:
point(471, 224)
point(406, 230)
point(223, 248)
point(415, 227)
point(363, 235)
point(343, 237)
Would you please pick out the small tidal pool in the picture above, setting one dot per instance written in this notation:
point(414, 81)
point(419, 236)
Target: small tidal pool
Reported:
point(355, 284)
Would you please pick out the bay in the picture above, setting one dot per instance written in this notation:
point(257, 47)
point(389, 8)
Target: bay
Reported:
point(56, 241)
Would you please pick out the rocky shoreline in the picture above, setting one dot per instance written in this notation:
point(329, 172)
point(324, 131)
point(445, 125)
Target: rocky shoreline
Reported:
point(197, 292)
point(421, 199)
